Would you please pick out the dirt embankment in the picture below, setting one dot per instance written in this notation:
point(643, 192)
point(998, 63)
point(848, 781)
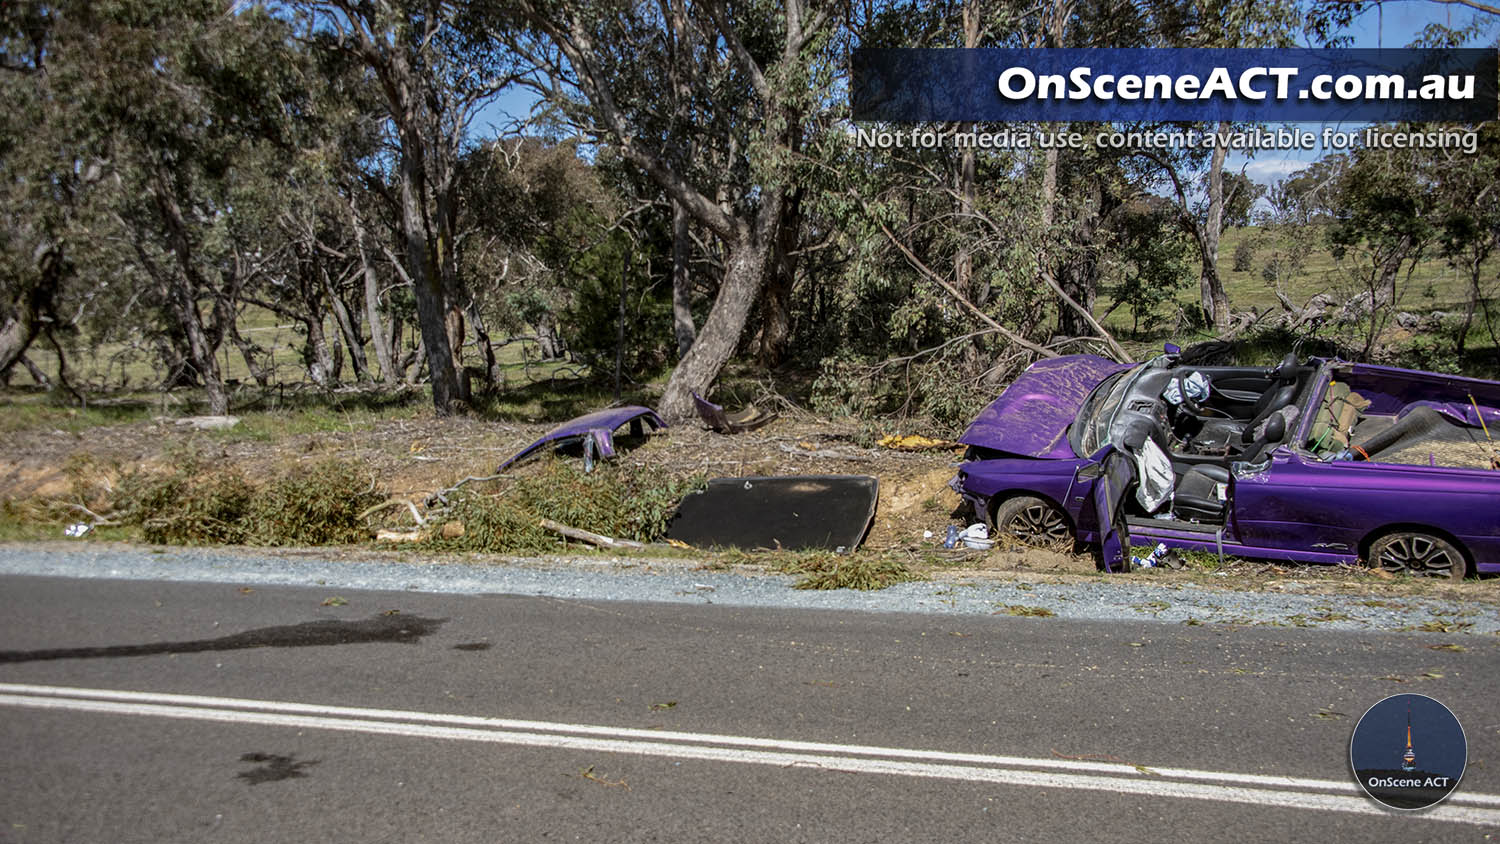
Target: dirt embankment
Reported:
point(411, 457)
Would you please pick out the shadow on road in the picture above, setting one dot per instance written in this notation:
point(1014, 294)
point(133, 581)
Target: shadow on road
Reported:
point(401, 629)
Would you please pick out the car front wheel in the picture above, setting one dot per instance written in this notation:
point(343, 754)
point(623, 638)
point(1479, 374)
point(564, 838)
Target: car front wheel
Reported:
point(1032, 521)
point(1420, 554)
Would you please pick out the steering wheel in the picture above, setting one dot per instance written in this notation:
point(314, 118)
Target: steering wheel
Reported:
point(1190, 405)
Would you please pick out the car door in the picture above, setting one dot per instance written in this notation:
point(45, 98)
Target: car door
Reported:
point(1112, 474)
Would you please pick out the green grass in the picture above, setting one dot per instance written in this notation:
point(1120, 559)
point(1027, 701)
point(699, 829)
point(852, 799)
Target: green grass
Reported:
point(32, 411)
point(118, 366)
point(1432, 286)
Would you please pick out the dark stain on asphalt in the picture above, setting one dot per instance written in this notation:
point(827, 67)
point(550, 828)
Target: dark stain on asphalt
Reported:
point(400, 629)
point(274, 768)
point(473, 646)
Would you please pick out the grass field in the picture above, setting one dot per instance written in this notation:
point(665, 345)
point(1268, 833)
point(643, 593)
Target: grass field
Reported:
point(1433, 285)
point(131, 366)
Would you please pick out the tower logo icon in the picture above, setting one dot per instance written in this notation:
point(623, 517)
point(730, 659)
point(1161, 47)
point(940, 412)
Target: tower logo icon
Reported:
point(1409, 758)
point(1389, 770)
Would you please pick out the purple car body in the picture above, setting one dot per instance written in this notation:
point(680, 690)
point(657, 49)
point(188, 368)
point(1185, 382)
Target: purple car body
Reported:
point(599, 427)
point(1065, 436)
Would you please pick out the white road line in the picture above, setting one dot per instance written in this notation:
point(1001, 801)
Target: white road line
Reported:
point(1287, 792)
point(1045, 763)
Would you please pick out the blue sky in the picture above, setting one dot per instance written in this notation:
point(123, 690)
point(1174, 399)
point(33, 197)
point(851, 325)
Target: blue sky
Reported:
point(1392, 24)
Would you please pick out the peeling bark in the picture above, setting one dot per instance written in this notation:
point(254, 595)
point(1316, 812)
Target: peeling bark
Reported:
point(682, 282)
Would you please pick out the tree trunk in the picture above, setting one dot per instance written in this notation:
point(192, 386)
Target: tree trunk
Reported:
point(549, 345)
point(781, 278)
point(682, 282)
point(486, 348)
point(1079, 276)
point(427, 289)
point(36, 373)
point(414, 363)
point(317, 357)
point(183, 287)
point(201, 356)
point(251, 353)
point(1462, 335)
point(380, 338)
point(350, 332)
point(744, 273)
point(963, 265)
point(1215, 299)
point(33, 302)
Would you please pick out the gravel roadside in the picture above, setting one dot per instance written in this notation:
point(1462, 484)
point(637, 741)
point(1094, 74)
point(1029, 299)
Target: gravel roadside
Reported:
point(605, 578)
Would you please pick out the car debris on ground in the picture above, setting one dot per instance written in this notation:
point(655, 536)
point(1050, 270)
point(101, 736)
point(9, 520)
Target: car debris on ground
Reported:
point(737, 422)
point(594, 432)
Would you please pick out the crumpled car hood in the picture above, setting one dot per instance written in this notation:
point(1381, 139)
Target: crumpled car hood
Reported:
point(1032, 416)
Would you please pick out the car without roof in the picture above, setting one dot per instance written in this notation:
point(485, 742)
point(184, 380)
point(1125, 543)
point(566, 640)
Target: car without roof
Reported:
point(1320, 461)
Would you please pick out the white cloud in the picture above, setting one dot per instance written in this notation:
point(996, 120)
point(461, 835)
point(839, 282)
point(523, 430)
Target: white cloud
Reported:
point(1270, 171)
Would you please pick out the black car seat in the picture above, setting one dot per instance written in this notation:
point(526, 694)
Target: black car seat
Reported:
point(1196, 498)
point(1222, 433)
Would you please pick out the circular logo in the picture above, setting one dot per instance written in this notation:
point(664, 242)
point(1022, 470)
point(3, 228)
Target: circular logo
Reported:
point(1408, 752)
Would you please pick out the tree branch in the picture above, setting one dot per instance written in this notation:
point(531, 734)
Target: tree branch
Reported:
point(952, 291)
point(578, 47)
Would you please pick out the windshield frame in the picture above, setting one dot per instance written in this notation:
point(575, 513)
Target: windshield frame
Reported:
point(1097, 413)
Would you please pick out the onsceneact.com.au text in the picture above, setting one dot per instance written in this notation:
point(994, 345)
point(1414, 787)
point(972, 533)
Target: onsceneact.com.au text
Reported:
point(1255, 83)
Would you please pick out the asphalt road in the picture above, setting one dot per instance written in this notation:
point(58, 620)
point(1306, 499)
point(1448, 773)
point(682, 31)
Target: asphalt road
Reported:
point(409, 717)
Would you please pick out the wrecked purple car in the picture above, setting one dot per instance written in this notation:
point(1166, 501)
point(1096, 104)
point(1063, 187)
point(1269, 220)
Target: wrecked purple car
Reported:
point(1319, 461)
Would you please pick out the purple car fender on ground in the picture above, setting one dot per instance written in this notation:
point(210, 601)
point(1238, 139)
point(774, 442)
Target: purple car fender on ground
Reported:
point(601, 425)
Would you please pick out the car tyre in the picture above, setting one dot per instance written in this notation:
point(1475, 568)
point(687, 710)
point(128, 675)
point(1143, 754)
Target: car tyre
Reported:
point(1032, 521)
point(1420, 554)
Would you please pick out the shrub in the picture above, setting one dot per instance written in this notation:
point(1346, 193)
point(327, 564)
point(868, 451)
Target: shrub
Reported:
point(188, 506)
point(827, 570)
point(1244, 256)
point(491, 524)
point(617, 501)
point(198, 504)
point(314, 506)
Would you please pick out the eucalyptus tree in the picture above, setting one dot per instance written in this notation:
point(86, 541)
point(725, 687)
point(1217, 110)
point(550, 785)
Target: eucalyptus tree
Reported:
point(151, 111)
point(607, 64)
point(44, 171)
point(1469, 222)
point(1226, 23)
point(437, 64)
point(533, 212)
point(1387, 221)
point(55, 179)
